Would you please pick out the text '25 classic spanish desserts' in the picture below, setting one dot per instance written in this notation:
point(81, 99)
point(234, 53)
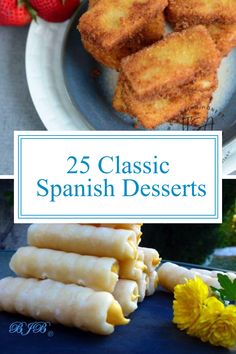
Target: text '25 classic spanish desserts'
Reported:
point(130, 36)
point(86, 276)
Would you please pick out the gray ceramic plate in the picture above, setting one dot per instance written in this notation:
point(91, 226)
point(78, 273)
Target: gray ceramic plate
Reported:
point(93, 96)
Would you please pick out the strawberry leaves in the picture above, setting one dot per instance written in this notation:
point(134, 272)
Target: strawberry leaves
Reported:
point(227, 292)
point(29, 8)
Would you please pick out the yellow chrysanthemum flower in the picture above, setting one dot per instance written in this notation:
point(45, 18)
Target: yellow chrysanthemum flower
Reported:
point(211, 310)
point(217, 324)
point(223, 331)
point(189, 299)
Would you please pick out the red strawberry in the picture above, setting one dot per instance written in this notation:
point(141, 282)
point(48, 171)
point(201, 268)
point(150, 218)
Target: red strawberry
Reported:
point(55, 10)
point(15, 13)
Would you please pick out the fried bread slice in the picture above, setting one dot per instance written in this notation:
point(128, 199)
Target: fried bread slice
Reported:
point(182, 14)
point(160, 110)
point(204, 83)
point(111, 22)
point(196, 116)
point(170, 63)
point(152, 31)
point(112, 58)
point(224, 37)
point(118, 101)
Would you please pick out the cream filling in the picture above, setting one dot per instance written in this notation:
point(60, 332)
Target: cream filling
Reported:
point(155, 261)
point(141, 265)
point(134, 295)
point(115, 315)
point(115, 268)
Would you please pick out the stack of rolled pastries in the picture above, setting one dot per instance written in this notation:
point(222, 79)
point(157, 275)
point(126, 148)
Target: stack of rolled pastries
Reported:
point(163, 77)
point(87, 276)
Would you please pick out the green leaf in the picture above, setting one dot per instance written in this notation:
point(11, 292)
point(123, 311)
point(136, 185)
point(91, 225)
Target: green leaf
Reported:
point(214, 289)
point(227, 292)
point(31, 11)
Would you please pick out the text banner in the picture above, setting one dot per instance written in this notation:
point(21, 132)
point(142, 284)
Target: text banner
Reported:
point(156, 177)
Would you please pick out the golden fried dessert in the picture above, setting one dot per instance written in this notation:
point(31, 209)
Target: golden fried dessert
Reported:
point(202, 84)
point(165, 67)
point(156, 111)
point(224, 35)
point(155, 87)
point(149, 32)
point(161, 110)
point(118, 101)
point(109, 23)
point(152, 32)
point(219, 16)
point(112, 58)
point(196, 116)
point(182, 14)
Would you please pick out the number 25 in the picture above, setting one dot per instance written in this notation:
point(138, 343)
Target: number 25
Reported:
point(84, 162)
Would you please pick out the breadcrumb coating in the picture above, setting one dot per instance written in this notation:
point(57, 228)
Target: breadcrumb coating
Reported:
point(182, 14)
point(173, 62)
point(111, 22)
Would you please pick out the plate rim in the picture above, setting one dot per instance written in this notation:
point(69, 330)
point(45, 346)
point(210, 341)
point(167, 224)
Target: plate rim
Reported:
point(53, 105)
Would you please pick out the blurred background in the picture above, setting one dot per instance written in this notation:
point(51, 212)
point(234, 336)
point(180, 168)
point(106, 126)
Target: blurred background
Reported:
point(206, 244)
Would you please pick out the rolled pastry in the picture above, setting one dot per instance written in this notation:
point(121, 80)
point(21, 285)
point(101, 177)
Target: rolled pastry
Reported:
point(126, 293)
point(171, 274)
point(142, 286)
point(84, 239)
point(152, 283)
point(70, 305)
point(98, 273)
point(140, 255)
point(213, 273)
point(131, 269)
point(134, 227)
point(151, 258)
